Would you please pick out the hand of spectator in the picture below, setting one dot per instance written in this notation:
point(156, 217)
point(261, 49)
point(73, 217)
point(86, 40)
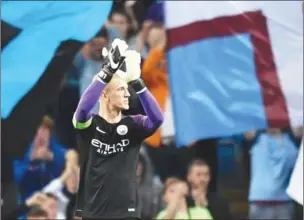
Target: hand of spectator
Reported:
point(37, 199)
point(199, 197)
point(42, 154)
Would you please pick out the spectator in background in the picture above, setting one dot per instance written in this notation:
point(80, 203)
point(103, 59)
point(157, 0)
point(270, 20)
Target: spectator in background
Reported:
point(65, 187)
point(125, 23)
point(199, 178)
point(43, 161)
point(149, 186)
point(175, 192)
point(154, 74)
point(176, 196)
point(155, 16)
point(273, 154)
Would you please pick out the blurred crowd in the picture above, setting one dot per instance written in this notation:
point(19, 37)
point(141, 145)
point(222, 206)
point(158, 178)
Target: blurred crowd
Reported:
point(173, 183)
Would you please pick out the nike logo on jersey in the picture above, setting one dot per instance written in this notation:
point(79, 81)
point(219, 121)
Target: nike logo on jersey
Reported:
point(99, 130)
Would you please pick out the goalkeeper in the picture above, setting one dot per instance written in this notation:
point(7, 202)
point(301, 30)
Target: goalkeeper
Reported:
point(109, 142)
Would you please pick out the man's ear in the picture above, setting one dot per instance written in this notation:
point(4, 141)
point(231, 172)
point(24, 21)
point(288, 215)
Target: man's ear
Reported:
point(102, 96)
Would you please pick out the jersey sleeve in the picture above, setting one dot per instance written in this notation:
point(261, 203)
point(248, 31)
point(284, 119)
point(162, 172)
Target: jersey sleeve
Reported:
point(82, 118)
point(147, 124)
point(82, 125)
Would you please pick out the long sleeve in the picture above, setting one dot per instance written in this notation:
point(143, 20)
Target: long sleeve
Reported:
point(82, 117)
point(154, 118)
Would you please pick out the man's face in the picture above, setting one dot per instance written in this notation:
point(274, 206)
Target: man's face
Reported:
point(117, 94)
point(199, 176)
point(176, 190)
point(120, 22)
point(95, 47)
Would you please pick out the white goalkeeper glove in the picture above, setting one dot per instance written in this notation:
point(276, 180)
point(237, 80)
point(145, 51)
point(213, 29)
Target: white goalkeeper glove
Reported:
point(130, 68)
point(113, 59)
point(130, 71)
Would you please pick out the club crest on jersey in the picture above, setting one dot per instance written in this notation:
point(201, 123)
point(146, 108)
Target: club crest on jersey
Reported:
point(122, 129)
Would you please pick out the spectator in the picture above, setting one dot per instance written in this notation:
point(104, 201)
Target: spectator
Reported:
point(149, 186)
point(154, 73)
point(175, 192)
point(65, 187)
point(125, 23)
point(37, 213)
point(155, 15)
point(43, 161)
point(273, 154)
point(199, 177)
point(176, 197)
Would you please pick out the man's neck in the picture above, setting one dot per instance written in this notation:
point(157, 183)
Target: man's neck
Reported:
point(110, 115)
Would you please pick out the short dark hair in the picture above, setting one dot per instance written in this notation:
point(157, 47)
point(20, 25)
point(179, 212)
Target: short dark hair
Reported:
point(197, 162)
point(37, 211)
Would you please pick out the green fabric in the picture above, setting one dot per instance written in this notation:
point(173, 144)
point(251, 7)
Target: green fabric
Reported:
point(81, 125)
point(195, 213)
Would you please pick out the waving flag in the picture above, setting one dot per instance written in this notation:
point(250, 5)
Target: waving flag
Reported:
point(234, 66)
point(39, 40)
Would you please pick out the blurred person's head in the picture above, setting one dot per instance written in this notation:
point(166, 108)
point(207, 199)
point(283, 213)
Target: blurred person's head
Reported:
point(115, 96)
point(50, 206)
point(174, 188)
point(198, 174)
point(93, 49)
point(37, 213)
point(43, 134)
point(157, 36)
point(121, 22)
